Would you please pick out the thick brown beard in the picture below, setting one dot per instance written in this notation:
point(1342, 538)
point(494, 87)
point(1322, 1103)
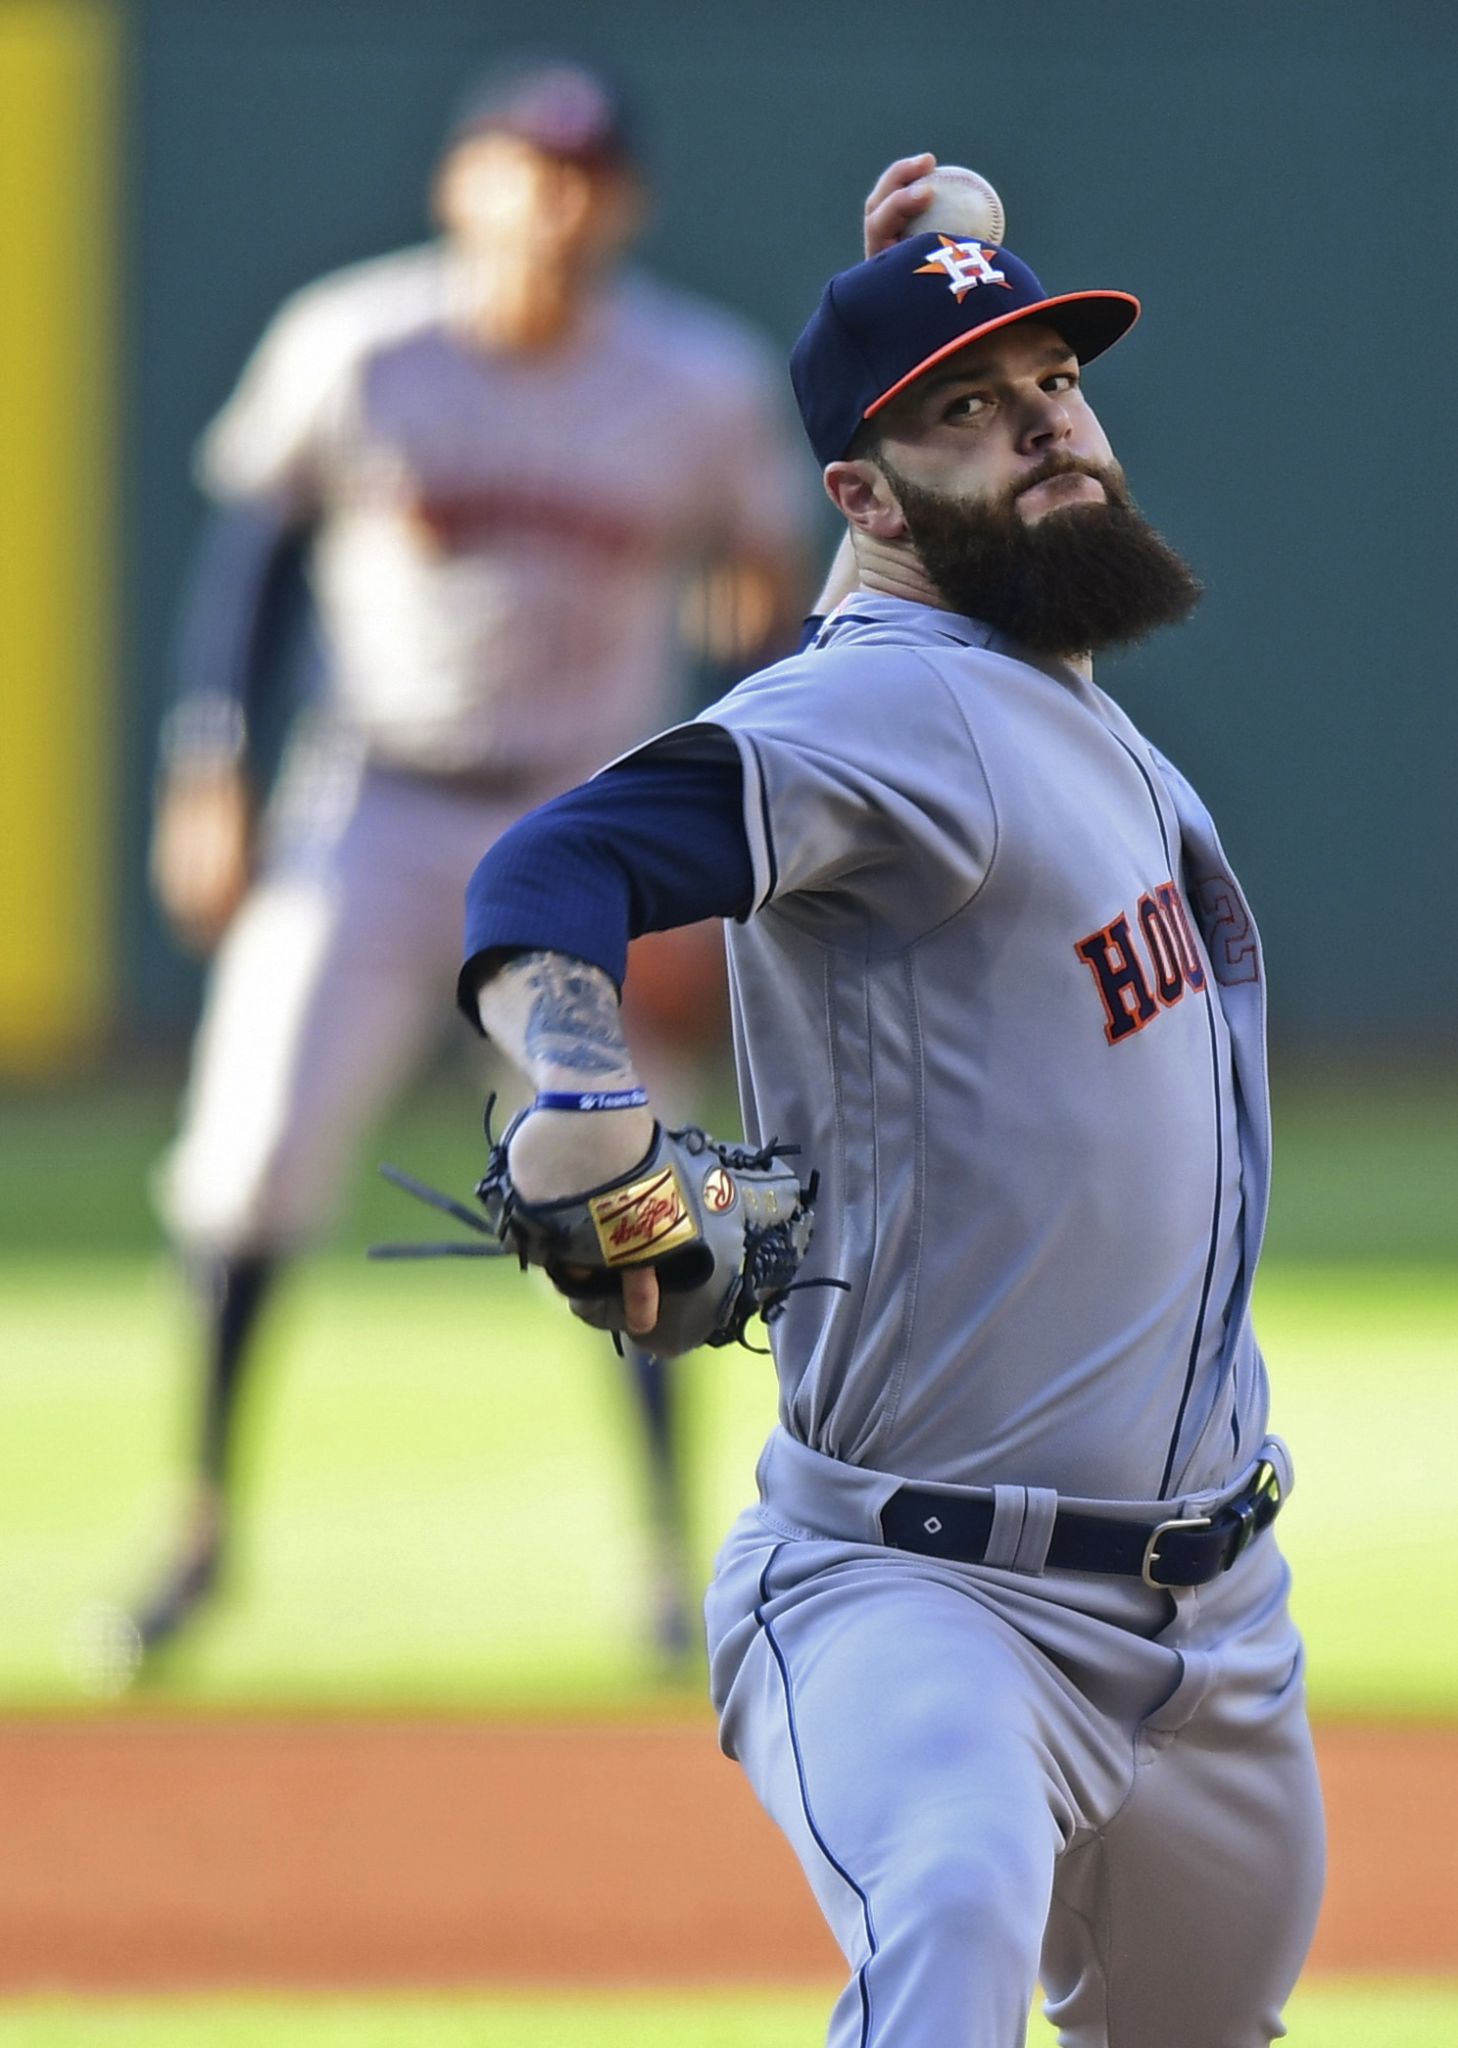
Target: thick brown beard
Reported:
point(1082, 578)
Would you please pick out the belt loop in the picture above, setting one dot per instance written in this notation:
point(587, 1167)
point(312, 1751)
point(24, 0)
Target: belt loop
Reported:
point(1041, 1509)
point(1009, 1504)
point(1275, 1450)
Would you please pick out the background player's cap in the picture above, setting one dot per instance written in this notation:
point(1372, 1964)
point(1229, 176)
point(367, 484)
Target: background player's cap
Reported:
point(882, 323)
point(559, 105)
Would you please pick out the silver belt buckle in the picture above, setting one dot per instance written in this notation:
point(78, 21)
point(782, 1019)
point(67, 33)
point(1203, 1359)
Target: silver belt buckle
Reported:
point(1151, 1548)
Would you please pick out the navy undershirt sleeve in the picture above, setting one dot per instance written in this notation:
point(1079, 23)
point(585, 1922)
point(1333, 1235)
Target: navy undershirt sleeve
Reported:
point(644, 847)
point(239, 608)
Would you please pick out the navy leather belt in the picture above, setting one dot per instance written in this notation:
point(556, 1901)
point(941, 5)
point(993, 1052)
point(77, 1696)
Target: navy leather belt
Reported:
point(1187, 1550)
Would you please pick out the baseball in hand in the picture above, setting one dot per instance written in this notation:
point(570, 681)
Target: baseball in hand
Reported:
point(962, 204)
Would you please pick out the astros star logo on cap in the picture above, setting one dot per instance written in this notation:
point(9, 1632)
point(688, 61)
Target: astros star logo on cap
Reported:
point(965, 265)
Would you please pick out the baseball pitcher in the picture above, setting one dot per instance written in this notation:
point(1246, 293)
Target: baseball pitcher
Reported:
point(1004, 1645)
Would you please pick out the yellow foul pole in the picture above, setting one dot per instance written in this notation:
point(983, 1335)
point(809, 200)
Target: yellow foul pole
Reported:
point(59, 76)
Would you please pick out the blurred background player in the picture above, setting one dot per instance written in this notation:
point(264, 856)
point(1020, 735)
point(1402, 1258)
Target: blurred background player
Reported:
point(506, 458)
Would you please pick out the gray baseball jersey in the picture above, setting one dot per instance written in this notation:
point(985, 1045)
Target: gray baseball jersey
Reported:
point(1001, 986)
point(499, 543)
point(999, 983)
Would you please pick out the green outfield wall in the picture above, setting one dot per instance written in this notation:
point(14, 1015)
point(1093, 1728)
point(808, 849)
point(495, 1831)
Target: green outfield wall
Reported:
point(1277, 182)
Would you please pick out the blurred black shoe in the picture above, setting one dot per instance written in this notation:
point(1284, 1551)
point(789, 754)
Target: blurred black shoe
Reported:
point(188, 1581)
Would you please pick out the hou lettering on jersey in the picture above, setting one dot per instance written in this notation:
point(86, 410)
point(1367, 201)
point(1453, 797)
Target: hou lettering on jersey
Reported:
point(1138, 979)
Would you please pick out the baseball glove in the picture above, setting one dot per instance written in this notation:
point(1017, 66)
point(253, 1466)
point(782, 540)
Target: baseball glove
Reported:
point(726, 1228)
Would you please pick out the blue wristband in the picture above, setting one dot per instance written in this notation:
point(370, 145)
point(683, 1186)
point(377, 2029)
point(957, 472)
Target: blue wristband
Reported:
point(611, 1098)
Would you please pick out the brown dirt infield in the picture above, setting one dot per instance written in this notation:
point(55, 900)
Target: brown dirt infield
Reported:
point(151, 1854)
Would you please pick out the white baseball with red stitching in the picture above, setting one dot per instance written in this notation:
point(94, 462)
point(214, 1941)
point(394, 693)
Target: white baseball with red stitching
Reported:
point(963, 203)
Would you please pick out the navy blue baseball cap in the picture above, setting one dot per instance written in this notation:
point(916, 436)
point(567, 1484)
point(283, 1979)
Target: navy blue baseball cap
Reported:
point(884, 322)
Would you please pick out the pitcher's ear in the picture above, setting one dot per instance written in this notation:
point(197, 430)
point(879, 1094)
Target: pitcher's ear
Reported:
point(861, 494)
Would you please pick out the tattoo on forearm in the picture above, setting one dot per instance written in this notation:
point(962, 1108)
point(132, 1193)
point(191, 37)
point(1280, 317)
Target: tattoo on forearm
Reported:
point(573, 1020)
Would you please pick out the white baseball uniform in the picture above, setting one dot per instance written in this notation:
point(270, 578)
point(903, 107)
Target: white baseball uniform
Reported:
point(499, 551)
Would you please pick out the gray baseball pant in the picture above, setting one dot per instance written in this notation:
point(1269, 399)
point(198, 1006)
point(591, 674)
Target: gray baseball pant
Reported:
point(994, 1778)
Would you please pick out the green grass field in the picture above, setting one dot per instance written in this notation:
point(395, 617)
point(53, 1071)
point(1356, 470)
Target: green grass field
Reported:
point(1352, 2014)
point(442, 1507)
point(440, 1489)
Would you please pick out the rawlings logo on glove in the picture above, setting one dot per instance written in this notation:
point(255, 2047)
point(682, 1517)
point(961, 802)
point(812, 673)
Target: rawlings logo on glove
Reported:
point(725, 1227)
point(649, 1216)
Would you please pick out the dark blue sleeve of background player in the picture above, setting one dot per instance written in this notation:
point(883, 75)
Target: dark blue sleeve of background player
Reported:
point(241, 602)
point(641, 848)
